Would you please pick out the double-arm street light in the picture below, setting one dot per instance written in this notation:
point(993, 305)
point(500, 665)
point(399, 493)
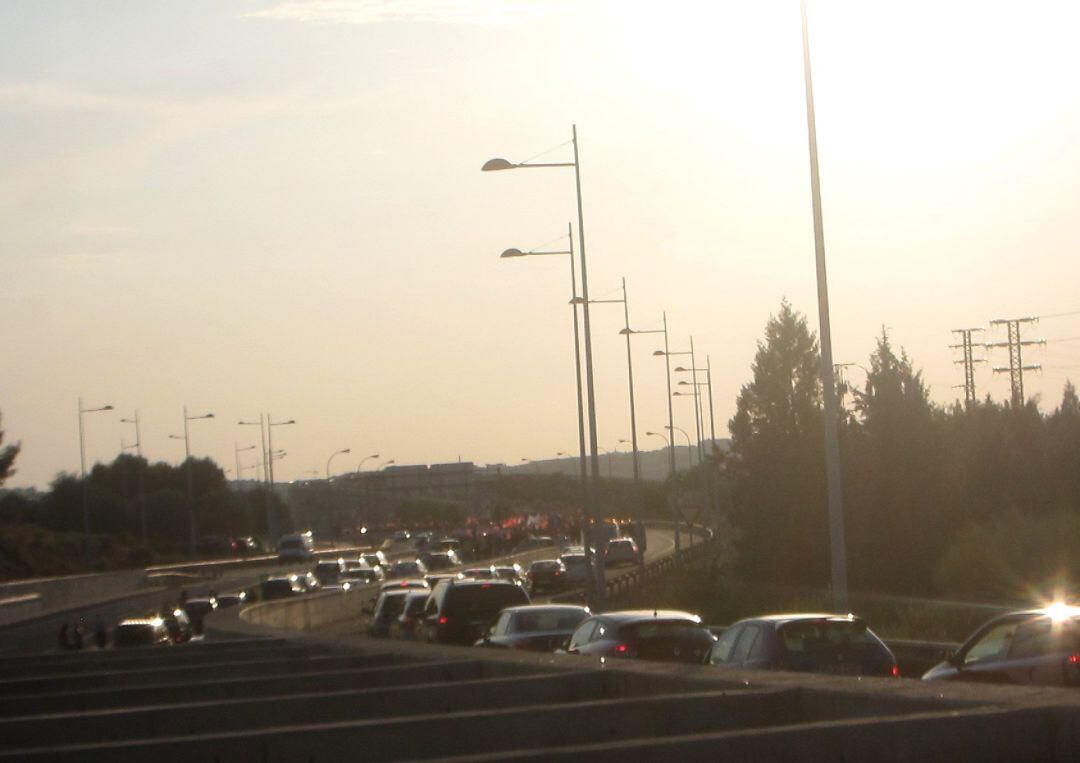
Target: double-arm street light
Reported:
point(329, 504)
point(190, 480)
point(139, 478)
point(87, 554)
point(569, 252)
point(237, 450)
point(595, 586)
point(689, 444)
point(364, 460)
point(266, 425)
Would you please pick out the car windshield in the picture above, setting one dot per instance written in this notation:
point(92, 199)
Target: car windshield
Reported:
point(809, 639)
point(390, 606)
point(546, 620)
point(1042, 636)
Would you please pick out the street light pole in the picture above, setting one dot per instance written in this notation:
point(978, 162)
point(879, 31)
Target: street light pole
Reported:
point(577, 343)
point(834, 479)
point(140, 478)
point(271, 518)
point(596, 586)
point(329, 504)
point(237, 450)
point(87, 553)
point(190, 482)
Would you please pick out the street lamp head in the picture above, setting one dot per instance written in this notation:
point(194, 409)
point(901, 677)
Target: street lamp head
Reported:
point(512, 252)
point(659, 354)
point(685, 383)
point(106, 407)
point(626, 332)
point(493, 165)
point(347, 450)
point(577, 301)
point(680, 368)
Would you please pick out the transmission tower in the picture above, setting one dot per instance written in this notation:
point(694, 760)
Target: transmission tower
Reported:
point(1016, 365)
point(969, 361)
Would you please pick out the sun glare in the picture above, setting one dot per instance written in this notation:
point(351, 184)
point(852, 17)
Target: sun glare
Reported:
point(1059, 611)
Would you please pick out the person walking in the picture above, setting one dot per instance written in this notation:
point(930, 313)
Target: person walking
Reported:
point(64, 638)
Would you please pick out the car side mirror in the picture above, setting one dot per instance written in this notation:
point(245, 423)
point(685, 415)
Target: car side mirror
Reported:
point(953, 658)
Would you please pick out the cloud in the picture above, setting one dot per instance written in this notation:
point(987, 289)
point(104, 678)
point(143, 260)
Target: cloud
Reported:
point(471, 12)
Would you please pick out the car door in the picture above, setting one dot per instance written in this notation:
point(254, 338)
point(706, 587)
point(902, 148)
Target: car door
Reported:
point(984, 658)
point(721, 651)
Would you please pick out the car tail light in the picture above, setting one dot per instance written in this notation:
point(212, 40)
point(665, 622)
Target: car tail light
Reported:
point(621, 649)
point(443, 620)
point(1074, 659)
point(895, 671)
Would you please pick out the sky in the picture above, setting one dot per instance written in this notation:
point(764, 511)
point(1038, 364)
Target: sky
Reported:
point(275, 206)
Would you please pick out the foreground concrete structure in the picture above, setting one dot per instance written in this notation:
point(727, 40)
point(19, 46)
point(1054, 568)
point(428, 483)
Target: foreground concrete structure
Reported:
point(319, 698)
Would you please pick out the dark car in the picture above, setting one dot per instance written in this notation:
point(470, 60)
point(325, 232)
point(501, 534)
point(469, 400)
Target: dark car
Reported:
point(404, 627)
point(459, 611)
point(1036, 646)
point(178, 624)
point(149, 631)
point(197, 610)
point(511, 572)
point(546, 575)
point(226, 600)
point(441, 560)
point(807, 643)
point(364, 576)
point(329, 571)
point(389, 605)
point(661, 635)
point(411, 568)
point(374, 559)
point(536, 628)
point(478, 573)
point(280, 588)
point(246, 545)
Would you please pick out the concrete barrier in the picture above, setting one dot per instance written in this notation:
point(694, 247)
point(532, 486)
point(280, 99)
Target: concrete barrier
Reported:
point(63, 593)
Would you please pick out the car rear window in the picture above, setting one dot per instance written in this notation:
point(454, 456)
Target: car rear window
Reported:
point(544, 566)
point(810, 636)
point(546, 620)
point(1042, 636)
point(666, 629)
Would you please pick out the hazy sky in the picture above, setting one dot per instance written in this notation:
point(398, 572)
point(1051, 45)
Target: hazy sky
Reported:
point(276, 205)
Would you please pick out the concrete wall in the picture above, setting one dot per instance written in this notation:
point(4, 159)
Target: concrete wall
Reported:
point(25, 599)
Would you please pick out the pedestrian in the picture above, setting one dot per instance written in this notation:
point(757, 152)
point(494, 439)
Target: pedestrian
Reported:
point(80, 631)
point(64, 639)
point(183, 597)
point(101, 638)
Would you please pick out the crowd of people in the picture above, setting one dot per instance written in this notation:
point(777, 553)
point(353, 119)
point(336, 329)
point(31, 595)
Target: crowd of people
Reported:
point(73, 635)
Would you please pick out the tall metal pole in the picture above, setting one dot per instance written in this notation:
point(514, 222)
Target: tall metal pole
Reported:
point(594, 562)
point(697, 399)
point(671, 426)
point(834, 478)
point(85, 499)
point(633, 421)
point(271, 515)
point(190, 488)
point(577, 363)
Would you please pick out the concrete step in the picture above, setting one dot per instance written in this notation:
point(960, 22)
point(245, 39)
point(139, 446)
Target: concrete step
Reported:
point(252, 687)
point(325, 707)
point(531, 727)
point(260, 664)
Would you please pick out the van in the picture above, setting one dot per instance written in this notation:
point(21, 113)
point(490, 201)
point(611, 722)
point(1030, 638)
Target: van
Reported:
point(459, 611)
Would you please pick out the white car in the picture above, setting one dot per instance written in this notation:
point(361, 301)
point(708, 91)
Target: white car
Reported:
point(621, 551)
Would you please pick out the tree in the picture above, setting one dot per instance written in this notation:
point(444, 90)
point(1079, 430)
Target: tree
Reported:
point(7, 456)
point(777, 461)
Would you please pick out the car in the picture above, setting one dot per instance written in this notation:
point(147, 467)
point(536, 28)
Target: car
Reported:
point(447, 544)
point(434, 580)
point(375, 559)
point(391, 585)
point(308, 581)
point(546, 575)
point(459, 611)
point(404, 627)
point(178, 624)
point(246, 545)
point(227, 600)
point(621, 551)
point(422, 540)
point(1033, 646)
point(406, 568)
point(478, 573)
point(145, 631)
point(328, 571)
point(297, 547)
point(386, 610)
point(804, 642)
point(400, 536)
point(511, 572)
point(648, 634)
point(441, 560)
point(576, 569)
point(364, 576)
point(197, 610)
point(535, 628)
point(280, 587)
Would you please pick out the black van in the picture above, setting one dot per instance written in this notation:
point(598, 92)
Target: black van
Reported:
point(459, 611)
